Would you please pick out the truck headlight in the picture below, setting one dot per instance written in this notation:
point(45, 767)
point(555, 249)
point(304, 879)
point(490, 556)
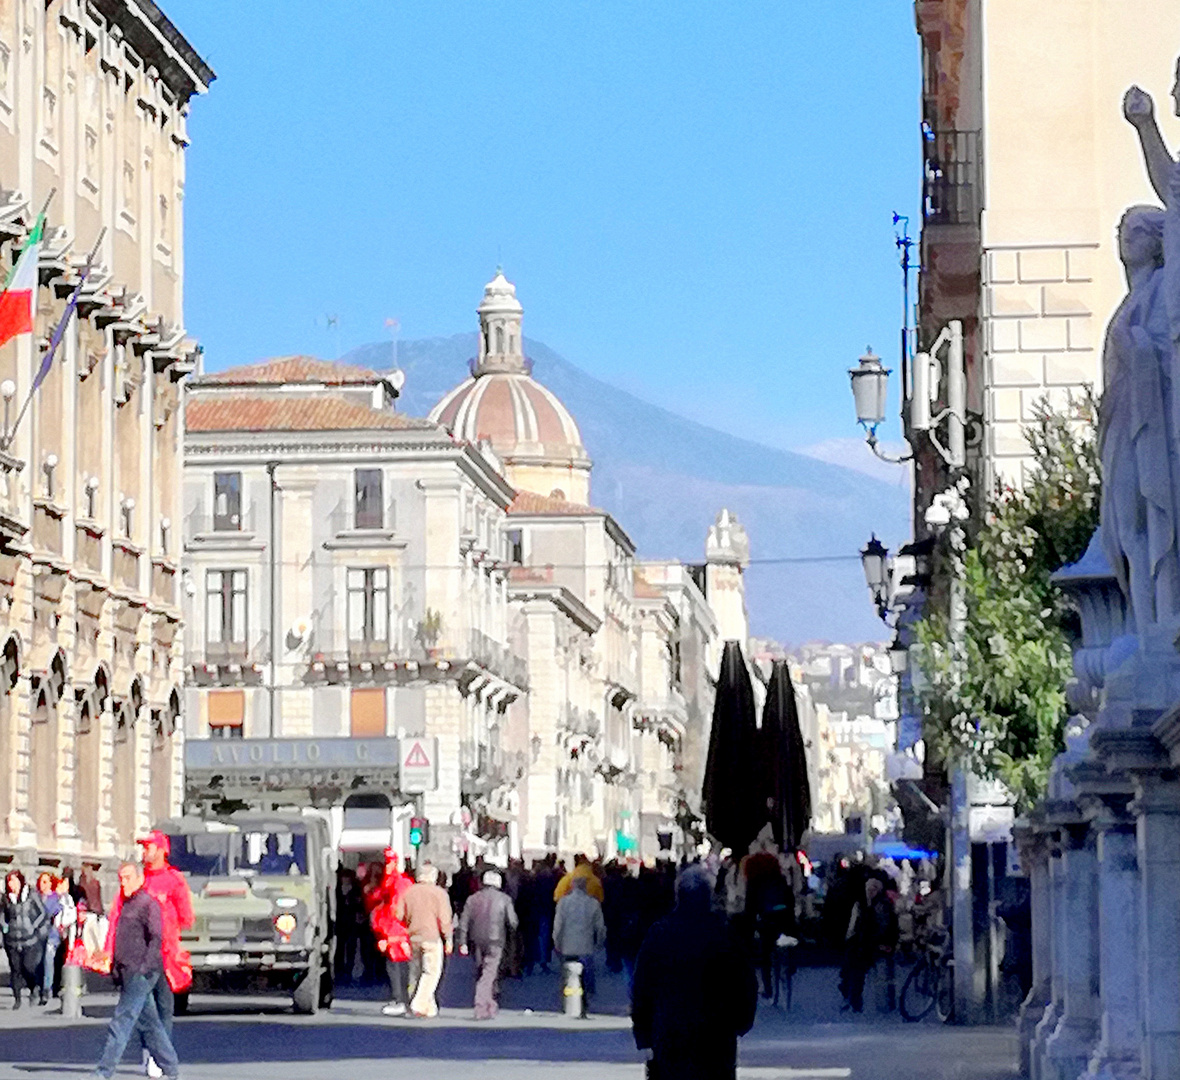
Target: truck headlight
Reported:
point(285, 924)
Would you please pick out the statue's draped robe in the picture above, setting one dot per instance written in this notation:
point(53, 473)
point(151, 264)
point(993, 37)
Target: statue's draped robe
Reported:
point(1140, 440)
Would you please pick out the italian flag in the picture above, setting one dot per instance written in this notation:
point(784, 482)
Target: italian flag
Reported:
point(20, 290)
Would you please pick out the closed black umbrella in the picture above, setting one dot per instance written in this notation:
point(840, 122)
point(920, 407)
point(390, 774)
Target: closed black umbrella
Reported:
point(785, 788)
point(734, 808)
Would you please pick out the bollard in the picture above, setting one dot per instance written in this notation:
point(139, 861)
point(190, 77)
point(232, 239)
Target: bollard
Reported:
point(571, 989)
point(71, 992)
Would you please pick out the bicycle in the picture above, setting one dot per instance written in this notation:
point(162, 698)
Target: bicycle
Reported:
point(930, 985)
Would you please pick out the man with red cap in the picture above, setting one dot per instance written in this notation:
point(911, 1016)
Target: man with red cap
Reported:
point(393, 939)
point(168, 887)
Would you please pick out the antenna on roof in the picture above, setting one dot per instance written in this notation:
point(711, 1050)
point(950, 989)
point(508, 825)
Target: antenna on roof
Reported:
point(393, 326)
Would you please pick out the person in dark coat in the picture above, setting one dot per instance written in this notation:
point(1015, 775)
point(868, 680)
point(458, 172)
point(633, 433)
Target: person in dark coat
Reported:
point(26, 927)
point(695, 993)
point(872, 931)
point(136, 962)
point(485, 928)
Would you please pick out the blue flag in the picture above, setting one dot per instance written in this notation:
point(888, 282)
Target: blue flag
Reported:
point(60, 329)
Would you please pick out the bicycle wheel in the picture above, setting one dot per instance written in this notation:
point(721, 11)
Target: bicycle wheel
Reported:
point(945, 991)
point(919, 992)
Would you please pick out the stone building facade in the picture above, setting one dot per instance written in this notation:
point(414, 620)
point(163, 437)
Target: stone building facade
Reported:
point(441, 579)
point(1020, 195)
point(93, 105)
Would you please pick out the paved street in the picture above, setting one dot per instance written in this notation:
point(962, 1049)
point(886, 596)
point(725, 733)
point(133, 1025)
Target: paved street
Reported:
point(257, 1039)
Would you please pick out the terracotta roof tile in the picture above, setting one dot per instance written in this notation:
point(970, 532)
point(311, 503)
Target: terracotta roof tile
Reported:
point(527, 502)
point(294, 369)
point(241, 412)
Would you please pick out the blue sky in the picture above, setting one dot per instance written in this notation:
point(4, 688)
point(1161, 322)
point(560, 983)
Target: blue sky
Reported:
point(693, 199)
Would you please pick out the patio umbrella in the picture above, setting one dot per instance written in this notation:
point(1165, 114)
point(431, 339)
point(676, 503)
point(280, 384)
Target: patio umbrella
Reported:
point(734, 809)
point(785, 788)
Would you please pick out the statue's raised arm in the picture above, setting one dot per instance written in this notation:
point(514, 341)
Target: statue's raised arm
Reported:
point(1139, 109)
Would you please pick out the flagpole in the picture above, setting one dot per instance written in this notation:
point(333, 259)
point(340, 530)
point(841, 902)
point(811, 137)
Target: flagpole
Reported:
point(54, 340)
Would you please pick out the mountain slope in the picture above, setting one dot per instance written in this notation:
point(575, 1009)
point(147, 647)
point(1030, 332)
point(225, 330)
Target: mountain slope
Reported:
point(665, 477)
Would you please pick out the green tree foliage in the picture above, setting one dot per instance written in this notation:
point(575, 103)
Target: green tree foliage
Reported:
point(999, 704)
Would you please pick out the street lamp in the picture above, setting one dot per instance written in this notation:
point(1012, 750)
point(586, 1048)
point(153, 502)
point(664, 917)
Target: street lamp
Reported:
point(875, 560)
point(870, 386)
point(870, 381)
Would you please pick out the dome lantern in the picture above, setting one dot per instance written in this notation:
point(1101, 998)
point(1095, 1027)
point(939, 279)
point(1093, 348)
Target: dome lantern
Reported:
point(501, 344)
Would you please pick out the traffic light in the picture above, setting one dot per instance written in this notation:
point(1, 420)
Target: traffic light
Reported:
point(419, 831)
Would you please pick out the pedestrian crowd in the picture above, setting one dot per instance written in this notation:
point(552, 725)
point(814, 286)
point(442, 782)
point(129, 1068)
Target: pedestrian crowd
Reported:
point(42, 922)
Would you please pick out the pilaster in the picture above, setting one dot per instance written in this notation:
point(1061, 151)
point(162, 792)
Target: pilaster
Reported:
point(1068, 1049)
point(1033, 845)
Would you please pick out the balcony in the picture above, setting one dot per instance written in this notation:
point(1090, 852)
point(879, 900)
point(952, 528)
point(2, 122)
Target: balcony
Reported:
point(952, 183)
point(368, 652)
point(88, 546)
point(125, 565)
point(47, 526)
point(222, 530)
point(498, 659)
point(13, 525)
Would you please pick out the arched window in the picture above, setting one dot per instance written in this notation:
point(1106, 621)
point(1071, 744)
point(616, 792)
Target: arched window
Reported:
point(499, 339)
point(512, 343)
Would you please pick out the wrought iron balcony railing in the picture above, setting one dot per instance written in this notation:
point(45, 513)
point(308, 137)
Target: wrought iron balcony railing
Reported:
point(952, 183)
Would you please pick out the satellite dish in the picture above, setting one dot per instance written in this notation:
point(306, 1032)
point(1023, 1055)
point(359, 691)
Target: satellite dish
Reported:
point(397, 379)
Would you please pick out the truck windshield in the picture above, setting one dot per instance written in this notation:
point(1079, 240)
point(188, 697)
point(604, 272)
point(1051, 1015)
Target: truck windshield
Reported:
point(239, 854)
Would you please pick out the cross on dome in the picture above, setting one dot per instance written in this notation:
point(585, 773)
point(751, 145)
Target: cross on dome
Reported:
point(501, 345)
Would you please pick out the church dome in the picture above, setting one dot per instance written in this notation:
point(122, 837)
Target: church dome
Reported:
point(528, 427)
point(516, 414)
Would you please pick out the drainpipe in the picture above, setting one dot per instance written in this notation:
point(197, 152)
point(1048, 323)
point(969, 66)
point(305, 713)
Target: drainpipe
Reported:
point(274, 605)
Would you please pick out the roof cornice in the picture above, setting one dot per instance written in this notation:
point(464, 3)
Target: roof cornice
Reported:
point(153, 36)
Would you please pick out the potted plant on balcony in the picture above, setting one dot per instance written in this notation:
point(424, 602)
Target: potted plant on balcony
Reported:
point(429, 630)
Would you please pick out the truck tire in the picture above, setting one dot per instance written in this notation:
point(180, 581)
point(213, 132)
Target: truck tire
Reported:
point(306, 997)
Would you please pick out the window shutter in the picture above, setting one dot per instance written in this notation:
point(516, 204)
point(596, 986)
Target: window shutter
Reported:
point(227, 708)
point(356, 605)
point(213, 607)
point(381, 604)
point(367, 720)
point(238, 630)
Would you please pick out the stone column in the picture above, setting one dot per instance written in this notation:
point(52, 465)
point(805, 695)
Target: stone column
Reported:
point(1068, 1049)
point(1157, 808)
point(1034, 858)
point(1048, 1021)
point(1117, 1055)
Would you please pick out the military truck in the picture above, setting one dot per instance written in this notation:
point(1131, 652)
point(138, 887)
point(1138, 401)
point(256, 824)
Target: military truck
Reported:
point(264, 896)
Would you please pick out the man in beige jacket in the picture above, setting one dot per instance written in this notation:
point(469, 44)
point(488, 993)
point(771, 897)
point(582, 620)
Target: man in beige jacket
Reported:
point(425, 910)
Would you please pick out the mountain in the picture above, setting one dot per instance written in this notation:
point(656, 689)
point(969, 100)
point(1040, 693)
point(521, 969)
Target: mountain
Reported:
point(665, 477)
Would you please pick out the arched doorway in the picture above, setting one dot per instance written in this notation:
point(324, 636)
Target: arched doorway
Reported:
point(88, 759)
point(44, 785)
point(9, 674)
point(164, 724)
point(124, 770)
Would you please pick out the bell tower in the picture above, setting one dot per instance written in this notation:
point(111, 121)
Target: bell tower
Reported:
point(501, 345)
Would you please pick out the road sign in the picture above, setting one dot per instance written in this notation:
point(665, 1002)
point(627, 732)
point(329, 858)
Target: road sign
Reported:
point(419, 765)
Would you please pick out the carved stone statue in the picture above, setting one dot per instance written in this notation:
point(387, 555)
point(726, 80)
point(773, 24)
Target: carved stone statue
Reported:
point(1140, 426)
point(1139, 109)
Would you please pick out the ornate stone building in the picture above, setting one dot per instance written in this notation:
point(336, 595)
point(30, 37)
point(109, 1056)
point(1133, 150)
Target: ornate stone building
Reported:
point(93, 106)
point(445, 582)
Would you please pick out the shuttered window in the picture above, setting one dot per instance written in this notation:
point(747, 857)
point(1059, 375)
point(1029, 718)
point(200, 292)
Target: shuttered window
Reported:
point(367, 719)
point(227, 713)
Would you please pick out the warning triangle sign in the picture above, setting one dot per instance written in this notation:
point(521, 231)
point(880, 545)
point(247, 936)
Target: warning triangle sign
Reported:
point(417, 759)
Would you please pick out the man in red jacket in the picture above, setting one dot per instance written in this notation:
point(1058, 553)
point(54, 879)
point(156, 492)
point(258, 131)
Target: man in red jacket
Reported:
point(393, 939)
point(170, 889)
